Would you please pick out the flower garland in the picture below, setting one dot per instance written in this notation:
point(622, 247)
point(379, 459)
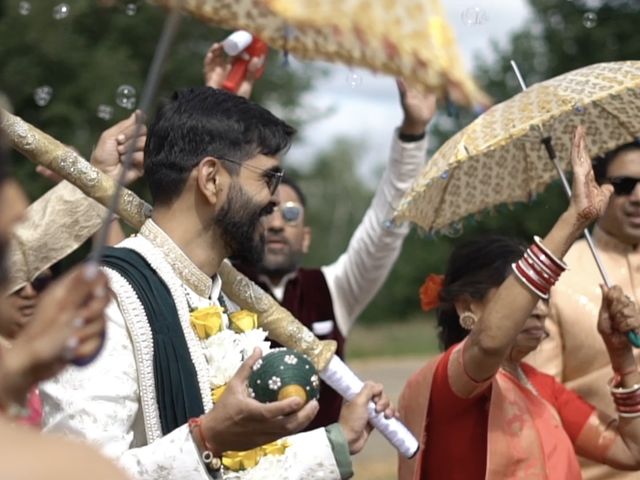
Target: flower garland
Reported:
point(226, 346)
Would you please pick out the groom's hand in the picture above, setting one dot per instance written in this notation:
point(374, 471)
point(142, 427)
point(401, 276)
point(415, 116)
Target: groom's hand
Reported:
point(239, 422)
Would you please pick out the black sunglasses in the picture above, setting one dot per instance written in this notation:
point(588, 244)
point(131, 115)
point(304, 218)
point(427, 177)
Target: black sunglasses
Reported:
point(623, 186)
point(41, 282)
point(272, 176)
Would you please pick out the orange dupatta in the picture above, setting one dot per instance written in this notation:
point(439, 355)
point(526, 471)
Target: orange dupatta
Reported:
point(518, 420)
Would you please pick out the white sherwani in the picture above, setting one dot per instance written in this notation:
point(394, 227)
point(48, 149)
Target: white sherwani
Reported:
point(112, 402)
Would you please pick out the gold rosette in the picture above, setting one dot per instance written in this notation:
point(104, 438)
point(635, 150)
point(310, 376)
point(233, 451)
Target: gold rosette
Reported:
point(207, 321)
point(243, 321)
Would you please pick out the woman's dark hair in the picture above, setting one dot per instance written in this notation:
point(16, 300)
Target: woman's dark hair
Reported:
point(201, 122)
point(474, 268)
point(601, 163)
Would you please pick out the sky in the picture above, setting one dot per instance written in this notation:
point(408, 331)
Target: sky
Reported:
point(370, 110)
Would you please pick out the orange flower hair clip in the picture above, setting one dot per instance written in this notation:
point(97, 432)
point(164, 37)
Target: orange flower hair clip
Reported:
point(430, 291)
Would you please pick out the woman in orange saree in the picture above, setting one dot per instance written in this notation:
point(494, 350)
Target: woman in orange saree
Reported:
point(480, 412)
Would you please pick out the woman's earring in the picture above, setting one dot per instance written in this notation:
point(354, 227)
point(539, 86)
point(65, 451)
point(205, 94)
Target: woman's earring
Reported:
point(468, 320)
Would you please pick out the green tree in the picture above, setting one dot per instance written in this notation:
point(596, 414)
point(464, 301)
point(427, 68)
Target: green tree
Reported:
point(336, 199)
point(86, 56)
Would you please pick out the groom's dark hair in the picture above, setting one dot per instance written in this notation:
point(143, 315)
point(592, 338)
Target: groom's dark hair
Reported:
point(203, 121)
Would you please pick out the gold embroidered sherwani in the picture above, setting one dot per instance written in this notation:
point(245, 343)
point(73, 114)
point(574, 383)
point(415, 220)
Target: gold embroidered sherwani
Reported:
point(575, 353)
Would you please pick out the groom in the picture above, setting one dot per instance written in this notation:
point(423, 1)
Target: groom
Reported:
point(212, 166)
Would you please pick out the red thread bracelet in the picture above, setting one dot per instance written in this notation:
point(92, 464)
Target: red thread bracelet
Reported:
point(196, 423)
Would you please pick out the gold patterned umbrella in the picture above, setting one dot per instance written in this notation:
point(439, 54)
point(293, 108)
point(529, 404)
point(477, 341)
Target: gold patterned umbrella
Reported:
point(405, 38)
point(501, 157)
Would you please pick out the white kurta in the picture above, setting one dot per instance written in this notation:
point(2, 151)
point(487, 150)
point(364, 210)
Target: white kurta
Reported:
point(112, 402)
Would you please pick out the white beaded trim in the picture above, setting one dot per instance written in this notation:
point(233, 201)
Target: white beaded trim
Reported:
point(138, 325)
point(166, 272)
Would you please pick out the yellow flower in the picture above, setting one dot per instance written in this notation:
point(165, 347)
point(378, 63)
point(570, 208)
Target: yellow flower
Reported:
point(275, 448)
point(207, 321)
point(243, 321)
point(236, 461)
point(217, 392)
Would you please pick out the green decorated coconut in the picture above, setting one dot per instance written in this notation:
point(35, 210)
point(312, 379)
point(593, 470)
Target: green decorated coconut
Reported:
point(283, 373)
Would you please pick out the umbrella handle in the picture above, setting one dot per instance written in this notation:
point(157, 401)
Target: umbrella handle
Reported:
point(634, 339)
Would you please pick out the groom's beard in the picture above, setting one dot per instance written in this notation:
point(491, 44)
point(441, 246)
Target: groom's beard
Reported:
point(240, 226)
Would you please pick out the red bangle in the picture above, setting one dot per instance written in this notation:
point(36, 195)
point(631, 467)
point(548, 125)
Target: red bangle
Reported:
point(532, 258)
point(542, 289)
point(629, 409)
point(543, 258)
point(537, 241)
point(626, 403)
point(626, 397)
point(540, 270)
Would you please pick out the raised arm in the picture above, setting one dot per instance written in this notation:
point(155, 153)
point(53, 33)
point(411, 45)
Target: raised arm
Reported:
point(358, 274)
point(505, 314)
point(217, 66)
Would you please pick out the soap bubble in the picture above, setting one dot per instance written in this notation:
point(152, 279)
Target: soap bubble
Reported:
point(556, 20)
point(24, 8)
point(131, 9)
point(126, 97)
point(590, 19)
point(354, 79)
point(42, 95)
point(61, 11)
point(474, 16)
point(105, 112)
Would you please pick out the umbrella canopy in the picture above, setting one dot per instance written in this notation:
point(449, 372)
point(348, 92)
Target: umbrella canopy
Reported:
point(499, 158)
point(405, 38)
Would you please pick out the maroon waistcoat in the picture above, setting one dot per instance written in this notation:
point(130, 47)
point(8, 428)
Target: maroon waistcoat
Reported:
point(307, 297)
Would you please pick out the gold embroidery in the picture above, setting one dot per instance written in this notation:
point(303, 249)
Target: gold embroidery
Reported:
point(184, 268)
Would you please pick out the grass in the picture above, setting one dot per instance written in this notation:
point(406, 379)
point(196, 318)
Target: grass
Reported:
point(414, 337)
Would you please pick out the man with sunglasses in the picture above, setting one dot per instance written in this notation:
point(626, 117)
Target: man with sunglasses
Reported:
point(329, 299)
point(574, 352)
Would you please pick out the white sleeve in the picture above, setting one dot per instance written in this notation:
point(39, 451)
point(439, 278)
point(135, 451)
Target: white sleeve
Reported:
point(100, 403)
point(308, 457)
point(358, 274)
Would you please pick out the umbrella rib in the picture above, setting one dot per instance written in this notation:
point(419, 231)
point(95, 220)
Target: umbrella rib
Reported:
point(528, 169)
point(442, 196)
point(620, 120)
